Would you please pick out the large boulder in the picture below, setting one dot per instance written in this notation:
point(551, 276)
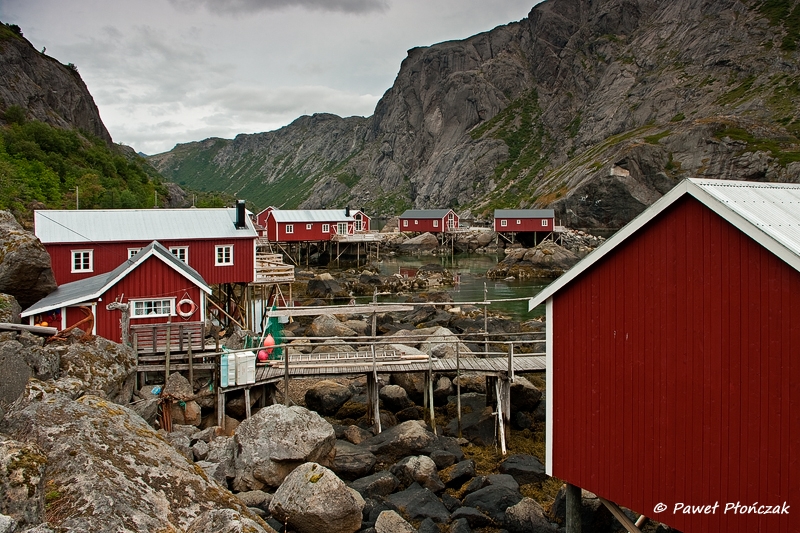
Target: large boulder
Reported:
point(443, 344)
point(524, 395)
point(407, 438)
point(420, 243)
point(25, 269)
point(379, 484)
point(391, 522)
point(104, 368)
point(493, 501)
point(420, 469)
point(527, 516)
point(313, 499)
point(326, 397)
point(22, 467)
point(107, 470)
point(394, 398)
point(351, 461)
point(275, 441)
point(227, 521)
point(329, 326)
point(523, 468)
point(9, 309)
point(418, 503)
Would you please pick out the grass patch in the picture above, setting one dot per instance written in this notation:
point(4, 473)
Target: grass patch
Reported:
point(678, 118)
point(737, 93)
point(784, 151)
point(653, 139)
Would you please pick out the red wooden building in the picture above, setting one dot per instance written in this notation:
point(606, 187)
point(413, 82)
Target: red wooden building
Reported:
point(430, 220)
point(673, 361)
point(217, 243)
point(524, 220)
point(311, 225)
point(159, 287)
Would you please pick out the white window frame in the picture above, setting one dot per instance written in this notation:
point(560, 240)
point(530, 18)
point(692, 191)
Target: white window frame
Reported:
point(326, 228)
point(544, 223)
point(308, 226)
point(503, 223)
point(405, 223)
point(519, 222)
point(341, 228)
point(133, 251)
point(435, 223)
point(85, 264)
point(223, 255)
point(159, 307)
point(289, 228)
point(416, 221)
point(177, 251)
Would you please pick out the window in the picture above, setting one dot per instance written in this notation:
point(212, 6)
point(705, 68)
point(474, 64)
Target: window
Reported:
point(405, 223)
point(152, 308)
point(341, 228)
point(416, 222)
point(308, 226)
point(289, 228)
point(132, 252)
point(326, 228)
point(181, 252)
point(519, 222)
point(503, 223)
point(435, 223)
point(224, 255)
point(82, 261)
point(544, 222)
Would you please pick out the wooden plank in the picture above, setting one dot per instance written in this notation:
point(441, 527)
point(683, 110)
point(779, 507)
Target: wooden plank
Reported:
point(36, 330)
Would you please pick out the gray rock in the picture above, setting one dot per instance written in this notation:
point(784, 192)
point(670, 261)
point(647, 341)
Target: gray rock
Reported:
point(394, 398)
point(25, 269)
point(355, 434)
point(14, 370)
point(329, 326)
point(493, 501)
point(460, 526)
point(502, 480)
point(524, 468)
point(96, 449)
point(474, 517)
point(478, 427)
point(313, 499)
point(417, 503)
point(426, 241)
point(352, 461)
point(327, 397)
point(255, 498)
point(428, 526)
point(458, 474)
point(378, 484)
point(177, 387)
point(391, 522)
point(102, 367)
point(413, 383)
point(276, 440)
point(407, 438)
point(7, 524)
point(22, 468)
point(594, 515)
point(443, 458)
point(527, 516)
point(420, 469)
point(227, 521)
point(524, 396)
point(9, 309)
point(200, 450)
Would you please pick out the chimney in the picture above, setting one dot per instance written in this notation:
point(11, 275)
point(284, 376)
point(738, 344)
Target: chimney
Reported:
point(240, 215)
point(347, 211)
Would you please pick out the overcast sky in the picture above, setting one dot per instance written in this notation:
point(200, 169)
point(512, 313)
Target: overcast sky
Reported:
point(171, 71)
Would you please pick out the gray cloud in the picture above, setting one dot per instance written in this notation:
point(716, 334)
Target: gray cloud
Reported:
point(235, 7)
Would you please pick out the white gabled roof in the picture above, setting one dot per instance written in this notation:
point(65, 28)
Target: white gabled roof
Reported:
point(312, 215)
point(425, 213)
point(524, 213)
point(767, 212)
point(90, 288)
point(115, 225)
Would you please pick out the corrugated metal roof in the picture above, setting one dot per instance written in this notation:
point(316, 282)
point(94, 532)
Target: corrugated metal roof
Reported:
point(105, 225)
point(774, 208)
point(425, 213)
point(524, 213)
point(767, 212)
point(91, 288)
point(312, 215)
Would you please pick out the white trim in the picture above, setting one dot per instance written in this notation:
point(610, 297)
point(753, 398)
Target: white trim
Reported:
point(549, 383)
point(503, 223)
point(326, 228)
point(133, 251)
point(289, 229)
point(74, 270)
point(694, 188)
point(185, 259)
point(435, 223)
point(134, 301)
point(217, 249)
point(309, 226)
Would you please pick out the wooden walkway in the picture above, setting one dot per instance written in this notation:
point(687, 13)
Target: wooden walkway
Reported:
point(268, 374)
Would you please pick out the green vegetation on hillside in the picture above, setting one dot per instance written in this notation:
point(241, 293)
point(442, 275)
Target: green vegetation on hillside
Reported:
point(786, 14)
point(43, 166)
point(784, 150)
point(520, 127)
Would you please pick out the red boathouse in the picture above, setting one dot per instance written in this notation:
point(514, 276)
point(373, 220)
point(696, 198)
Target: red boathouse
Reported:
point(158, 287)
point(218, 243)
point(673, 361)
point(311, 225)
point(430, 220)
point(524, 220)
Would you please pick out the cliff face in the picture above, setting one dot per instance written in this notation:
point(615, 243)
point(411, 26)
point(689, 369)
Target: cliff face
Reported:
point(49, 91)
point(594, 108)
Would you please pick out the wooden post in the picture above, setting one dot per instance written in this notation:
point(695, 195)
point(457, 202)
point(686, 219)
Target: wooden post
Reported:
point(221, 409)
point(247, 402)
point(136, 353)
point(286, 375)
point(500, 416)
point(191, 362)
point(574, 505)
point(511, 362)
point(166, 354)
point(458, 385)
point(430, 394)
point(485, 322)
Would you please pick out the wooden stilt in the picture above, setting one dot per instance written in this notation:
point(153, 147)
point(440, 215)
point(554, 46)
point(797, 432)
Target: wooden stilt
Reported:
point(247, 402)
point(501, 430)
point(430, 396)
point(458, 386)
point(166, 354)
point(221, 409)
point(574, 504)
point(191, 361)
point(286, 376)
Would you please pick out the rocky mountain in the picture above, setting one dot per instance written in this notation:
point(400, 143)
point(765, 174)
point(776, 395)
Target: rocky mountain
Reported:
point(47, 90)
point(594, 108)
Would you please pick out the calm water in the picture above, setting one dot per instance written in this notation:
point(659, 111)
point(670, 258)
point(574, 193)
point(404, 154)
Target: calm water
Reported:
point(472, 270)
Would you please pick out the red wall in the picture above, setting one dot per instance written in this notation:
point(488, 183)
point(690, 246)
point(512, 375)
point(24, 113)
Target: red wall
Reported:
point(526, 224)
point(676, 375)
point(108, 256)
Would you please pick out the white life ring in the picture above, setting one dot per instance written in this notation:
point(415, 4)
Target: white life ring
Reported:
point(184, 302)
